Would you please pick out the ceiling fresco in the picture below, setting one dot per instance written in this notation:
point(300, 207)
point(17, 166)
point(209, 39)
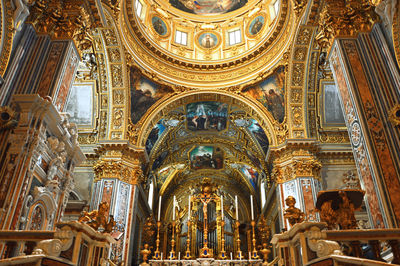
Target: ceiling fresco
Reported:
point(207, 142)
point(271, 93)
point(207, 7)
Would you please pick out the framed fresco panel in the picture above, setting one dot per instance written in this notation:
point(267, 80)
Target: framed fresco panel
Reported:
point(332, 114)
point(206, 157)
point(80, 104)
point(207, 116)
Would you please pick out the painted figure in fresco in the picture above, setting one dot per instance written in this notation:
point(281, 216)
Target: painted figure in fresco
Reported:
point(256, 27)
point(158, 27)
point(275, 103)
point(208, 41)
point(205, 7)
point(206, 157)
point(207, 116)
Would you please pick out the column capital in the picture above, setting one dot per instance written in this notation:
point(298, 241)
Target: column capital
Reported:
point(295, 159)
point(66, 20)
point(131, 174)
point(345, 18)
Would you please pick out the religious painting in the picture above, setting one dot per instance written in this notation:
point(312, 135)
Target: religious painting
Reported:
point(251, 174)
point(256, 25)
point(271, 93)
point(332, 109)
point(164, 173)
point(159, 26)
point(253, 159)
point(208, 7)
point(208, 40)
point(207, 116)
point(79, 104)
point(154, 135)
point(160, 160)
point(206, 157)
point(144, 93)
point(259, 135)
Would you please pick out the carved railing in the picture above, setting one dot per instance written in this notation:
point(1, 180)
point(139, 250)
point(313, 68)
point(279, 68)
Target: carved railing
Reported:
point(309, 243)
point(72, 243)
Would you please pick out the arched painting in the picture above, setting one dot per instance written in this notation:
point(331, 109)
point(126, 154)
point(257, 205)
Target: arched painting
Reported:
point(208, 7)
point(154, 135)
point(206, 157)
point(271, 93)
point(159, 26)
point(207, 116)
point(256, 25)
point(259, 135)
point(251, 174)
point(208, 40)
point(144, 93)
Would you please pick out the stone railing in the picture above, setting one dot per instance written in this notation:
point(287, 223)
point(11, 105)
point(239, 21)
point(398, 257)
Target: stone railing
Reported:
point(72, 243)
point(309, 243)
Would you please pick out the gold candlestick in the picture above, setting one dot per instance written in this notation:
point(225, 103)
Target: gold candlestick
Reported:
point(157, 252)
point(172, 252)
point(254, 254)
point(239, 252)
point(187, 253)
point(222, 254)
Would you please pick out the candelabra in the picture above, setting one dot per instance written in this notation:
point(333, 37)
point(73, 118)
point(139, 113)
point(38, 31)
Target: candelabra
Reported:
point(254, 252)
point(239, 252)
point(187, 253)
point(157, 252)
point(222, 254)
point(172, 252)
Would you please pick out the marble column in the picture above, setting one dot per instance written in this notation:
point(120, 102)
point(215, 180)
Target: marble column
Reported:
point(296, 171)
point(118, 177)
point(368, 81)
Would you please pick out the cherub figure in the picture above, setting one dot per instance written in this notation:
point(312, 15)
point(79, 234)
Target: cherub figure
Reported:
point(293, 214)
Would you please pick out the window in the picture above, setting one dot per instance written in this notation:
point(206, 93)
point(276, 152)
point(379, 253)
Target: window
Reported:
point(139, 8)
point(235, 37)
point(181, 37)
point(276, 6)
point(263, 196)
point(150, 198)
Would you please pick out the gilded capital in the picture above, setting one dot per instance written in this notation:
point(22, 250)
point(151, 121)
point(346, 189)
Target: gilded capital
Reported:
point(344, 18)
point(113, 169)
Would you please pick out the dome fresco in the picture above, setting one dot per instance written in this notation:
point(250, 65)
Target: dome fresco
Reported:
point(207, 7)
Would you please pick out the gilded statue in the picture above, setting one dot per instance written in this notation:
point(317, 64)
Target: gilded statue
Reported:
point(98, 218)
point(292, 214)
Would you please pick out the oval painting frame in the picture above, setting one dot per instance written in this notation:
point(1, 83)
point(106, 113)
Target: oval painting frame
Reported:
point(159, 26)
point(256, 25)
point(208, 40)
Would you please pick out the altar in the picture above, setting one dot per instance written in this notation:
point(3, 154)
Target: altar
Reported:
point(205, 234)
point(205, 262)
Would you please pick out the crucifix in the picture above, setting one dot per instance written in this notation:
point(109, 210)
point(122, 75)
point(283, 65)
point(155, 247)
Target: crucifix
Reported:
point(206, 197)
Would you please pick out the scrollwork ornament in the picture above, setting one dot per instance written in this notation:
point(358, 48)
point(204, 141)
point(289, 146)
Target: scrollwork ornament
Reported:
point(394, 115)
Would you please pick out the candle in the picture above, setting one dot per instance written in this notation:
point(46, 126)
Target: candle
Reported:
point(189, 209)
point(231, 256)
point(159, 209)
point(179, 255)
point(237, 210)
point(161, 255)
point(173, 211)
point(222, 207)
point(252, 209)
point(249, 255)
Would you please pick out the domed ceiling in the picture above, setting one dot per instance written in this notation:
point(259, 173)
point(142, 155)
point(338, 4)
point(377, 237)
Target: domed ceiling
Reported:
point(207, 43)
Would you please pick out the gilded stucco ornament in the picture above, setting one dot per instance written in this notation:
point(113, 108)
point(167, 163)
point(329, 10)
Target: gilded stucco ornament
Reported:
point(197, 65)
point(394, 115)
point(8, 118)
point(65, 20)
point(7, 30)
point(344, 18)
point(116, 169)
